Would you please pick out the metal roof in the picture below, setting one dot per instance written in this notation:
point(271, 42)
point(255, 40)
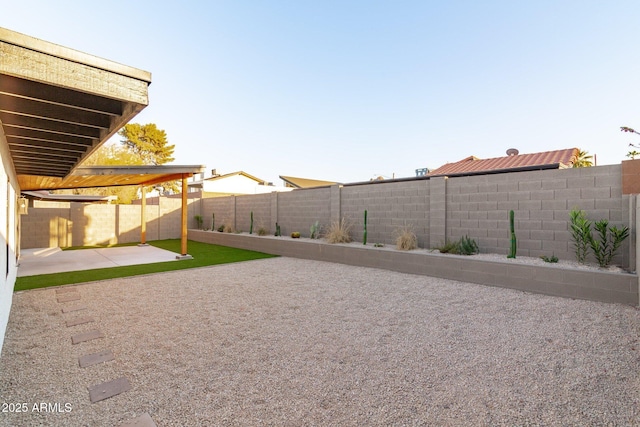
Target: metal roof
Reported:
point(544, 160)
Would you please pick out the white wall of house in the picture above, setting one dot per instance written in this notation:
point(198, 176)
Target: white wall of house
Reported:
point(9, 191)
point(238, 184)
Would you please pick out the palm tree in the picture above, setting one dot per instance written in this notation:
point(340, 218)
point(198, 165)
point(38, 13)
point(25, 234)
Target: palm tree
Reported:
point(632, 154)
point(583, 159)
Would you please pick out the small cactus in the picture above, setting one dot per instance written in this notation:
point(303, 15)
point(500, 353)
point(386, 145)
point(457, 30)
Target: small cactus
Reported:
point(278, 233)
point(314, 230)
point(512, 250)
point(364, 237)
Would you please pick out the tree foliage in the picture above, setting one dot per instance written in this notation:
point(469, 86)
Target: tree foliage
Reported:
point(583, 160)
point(110, 155)
point(148, 142)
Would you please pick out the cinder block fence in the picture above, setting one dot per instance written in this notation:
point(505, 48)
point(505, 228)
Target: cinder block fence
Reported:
point(437, 209)
point(446, 208)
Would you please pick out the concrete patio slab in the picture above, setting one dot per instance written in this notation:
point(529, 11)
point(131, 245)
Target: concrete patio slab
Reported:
point(54, 260)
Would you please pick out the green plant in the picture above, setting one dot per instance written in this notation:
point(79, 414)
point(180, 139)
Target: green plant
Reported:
point(262, 231)
point(580, 228)
point(221, 228)
point(199, 221)
point(378, 245)
point(278, 232)
point(364, 237)
point(513, 249)
point(315, 230)
point(251, 226)
point(295, 235)
point(339, 232)
point(448, 247)
point(406, 239)
point(551, 259)
point(610, 238)
point(213, 221)
point(467, 246)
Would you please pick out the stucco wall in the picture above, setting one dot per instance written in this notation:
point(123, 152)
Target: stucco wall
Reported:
point(9, 232)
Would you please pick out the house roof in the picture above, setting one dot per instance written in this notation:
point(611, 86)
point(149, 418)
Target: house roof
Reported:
point(558, 159)
point(199, 183)
point(305, 182)
point(227, 175)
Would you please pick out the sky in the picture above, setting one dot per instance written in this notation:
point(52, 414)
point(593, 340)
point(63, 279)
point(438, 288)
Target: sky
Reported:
point(347, 91)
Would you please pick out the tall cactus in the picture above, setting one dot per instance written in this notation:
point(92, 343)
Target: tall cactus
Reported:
point(512, 250)
point(251, 226)
point(364, 238)
point(213, 221)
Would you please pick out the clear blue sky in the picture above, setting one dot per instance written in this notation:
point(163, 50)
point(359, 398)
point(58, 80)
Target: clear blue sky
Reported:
point(349, 90)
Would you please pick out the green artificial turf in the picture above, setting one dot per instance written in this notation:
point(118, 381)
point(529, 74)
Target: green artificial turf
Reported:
point(203, 255)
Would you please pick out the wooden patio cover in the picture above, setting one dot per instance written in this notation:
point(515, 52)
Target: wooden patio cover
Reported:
point(58, 105)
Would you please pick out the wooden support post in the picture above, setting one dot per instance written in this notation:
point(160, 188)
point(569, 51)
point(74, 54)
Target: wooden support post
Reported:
point(143, 218)
point(184, 215)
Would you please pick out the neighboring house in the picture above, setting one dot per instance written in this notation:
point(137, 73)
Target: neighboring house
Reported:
point(512, 162)
point(231, 184)
point(293, 182)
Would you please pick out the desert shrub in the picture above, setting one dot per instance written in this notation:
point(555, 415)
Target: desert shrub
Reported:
point(448, 247)
point(610, 239)
point(262, 231)
point(406, 239)
point(551, 259)
point(221, 228)
point(339, 232)
point(467, 246)
point(580, 228)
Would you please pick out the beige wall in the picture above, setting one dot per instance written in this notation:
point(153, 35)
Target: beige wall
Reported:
point(437, 209)
point(440, 209)
point(56, 224)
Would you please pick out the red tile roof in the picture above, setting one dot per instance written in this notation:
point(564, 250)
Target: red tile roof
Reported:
point(471, 165)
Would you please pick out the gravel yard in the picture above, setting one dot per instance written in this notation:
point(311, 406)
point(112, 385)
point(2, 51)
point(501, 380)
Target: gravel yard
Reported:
point(290, 342)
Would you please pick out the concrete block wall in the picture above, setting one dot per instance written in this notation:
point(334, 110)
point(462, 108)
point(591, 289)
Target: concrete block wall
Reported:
point(390, 206)
point(478, 206)
point(600, 286)
point(444, 209)
point(260, 205)
point(55, 224)
point(46, 226)
point(222, 207)
point(299, 210)
point(438, 209)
